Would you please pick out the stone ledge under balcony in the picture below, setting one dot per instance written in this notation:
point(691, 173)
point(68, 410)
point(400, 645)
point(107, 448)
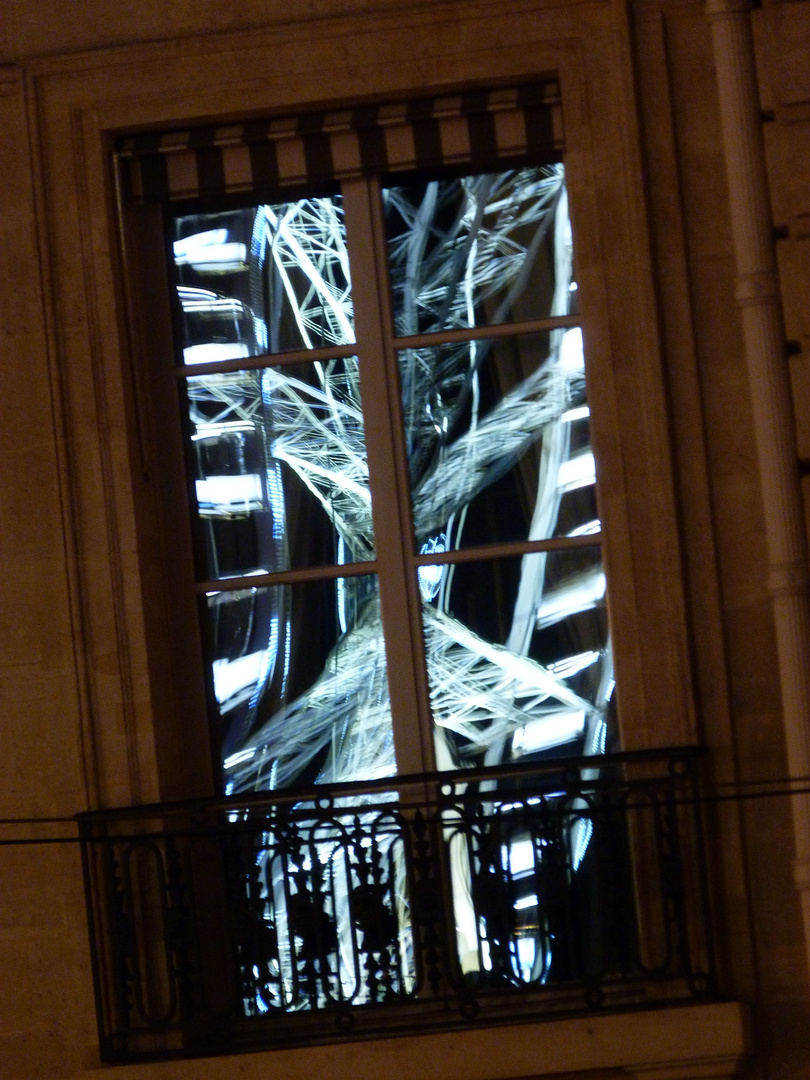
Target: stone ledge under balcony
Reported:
point(705, 1041)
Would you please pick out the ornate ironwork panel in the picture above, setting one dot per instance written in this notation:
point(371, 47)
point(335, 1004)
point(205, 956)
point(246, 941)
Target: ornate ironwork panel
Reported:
point(356, 910)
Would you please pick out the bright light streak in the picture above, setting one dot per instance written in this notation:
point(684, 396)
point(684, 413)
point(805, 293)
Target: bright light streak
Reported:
point(242, 491)
point(590, 528)
point(486, 958)
point(237, 759)
point(214, 352)
point(525, 902)
point(208, 252)
point(190, 244)
point(526, 953)
point(206, 302)
point(270, 654)
point(572, 356)
point(231, 676)
point(550, 730)
point(570, 665)
point(577, 472)
point(275, 493)
point(430, 577)
point(580, 595)
point(582, 832)
point(518, 857)
point(602, 737)
point(216, 431)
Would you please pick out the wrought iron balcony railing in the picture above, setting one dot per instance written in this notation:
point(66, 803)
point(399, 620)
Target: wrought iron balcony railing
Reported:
point(359, 911)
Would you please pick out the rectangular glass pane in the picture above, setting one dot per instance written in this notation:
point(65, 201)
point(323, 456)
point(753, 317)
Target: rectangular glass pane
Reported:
point(262, 279)
point(518, 655)
point(281, 477)
point(497, 438)
point(479, 250)
point(298, 673)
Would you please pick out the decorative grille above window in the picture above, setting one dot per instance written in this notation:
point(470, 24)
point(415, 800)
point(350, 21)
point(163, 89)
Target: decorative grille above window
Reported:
point(477, 129)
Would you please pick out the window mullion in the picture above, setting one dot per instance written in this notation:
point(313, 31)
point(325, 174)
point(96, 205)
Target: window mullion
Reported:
point(391, 511)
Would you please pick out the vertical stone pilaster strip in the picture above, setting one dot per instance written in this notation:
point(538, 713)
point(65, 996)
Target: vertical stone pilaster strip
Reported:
point(758, 299)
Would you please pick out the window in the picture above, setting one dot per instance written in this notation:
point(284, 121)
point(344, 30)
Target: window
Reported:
point(397, 545)
point(376, 359)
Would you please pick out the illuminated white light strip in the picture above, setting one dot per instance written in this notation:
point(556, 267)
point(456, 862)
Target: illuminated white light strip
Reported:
point(583, 830)
point(190, 244)
point(215, 351)
point(550, 730)
point(237, 759)
point(571, 353)
point(218, 306)
point(270, 654)
point(570, 665)
point(215, 431)
point(518, 857)
point(231, 676)
point(588, 529)
point(582, 413)
point(525, 902)
point(341, 585)
point(241, 489)
point(577, 472)
point(191, 292)
point(526, 955)
point(214, 258)
point(579, 595)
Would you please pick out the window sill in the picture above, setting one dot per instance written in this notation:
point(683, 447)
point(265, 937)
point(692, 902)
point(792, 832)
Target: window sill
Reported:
point(704, 1040)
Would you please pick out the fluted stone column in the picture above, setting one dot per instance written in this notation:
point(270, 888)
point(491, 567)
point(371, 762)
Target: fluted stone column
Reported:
point(757, 290)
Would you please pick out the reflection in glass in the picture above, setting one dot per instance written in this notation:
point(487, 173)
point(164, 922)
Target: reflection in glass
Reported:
point(281, 477)
point(498, 449)
point(263, 279)
point(498, 439)
point(298, 674)
point(520, 668)
point(519, 658)
point(479, 250)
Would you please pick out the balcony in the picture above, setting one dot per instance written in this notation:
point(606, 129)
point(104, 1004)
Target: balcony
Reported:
point(455, 901)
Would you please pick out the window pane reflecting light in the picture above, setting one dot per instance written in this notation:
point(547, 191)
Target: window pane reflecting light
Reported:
point(497, 447)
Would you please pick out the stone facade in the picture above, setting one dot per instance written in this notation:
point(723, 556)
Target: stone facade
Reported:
point(79, 688)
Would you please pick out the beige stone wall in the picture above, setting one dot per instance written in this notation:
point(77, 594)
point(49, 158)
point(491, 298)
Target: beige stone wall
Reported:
point(782, 38)
point(43, 952)
point(71, 640)
point(783, 43)
point(726, 554)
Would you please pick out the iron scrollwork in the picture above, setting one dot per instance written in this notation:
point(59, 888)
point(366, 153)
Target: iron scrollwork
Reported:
point(297, 918)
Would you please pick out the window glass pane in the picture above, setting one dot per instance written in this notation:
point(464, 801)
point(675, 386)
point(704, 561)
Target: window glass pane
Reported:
point(519, 657)
point(263, 279)
point(497, 438)
point(498, 450)
point(299, 677)
point(479, 250)
point(281, 477)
